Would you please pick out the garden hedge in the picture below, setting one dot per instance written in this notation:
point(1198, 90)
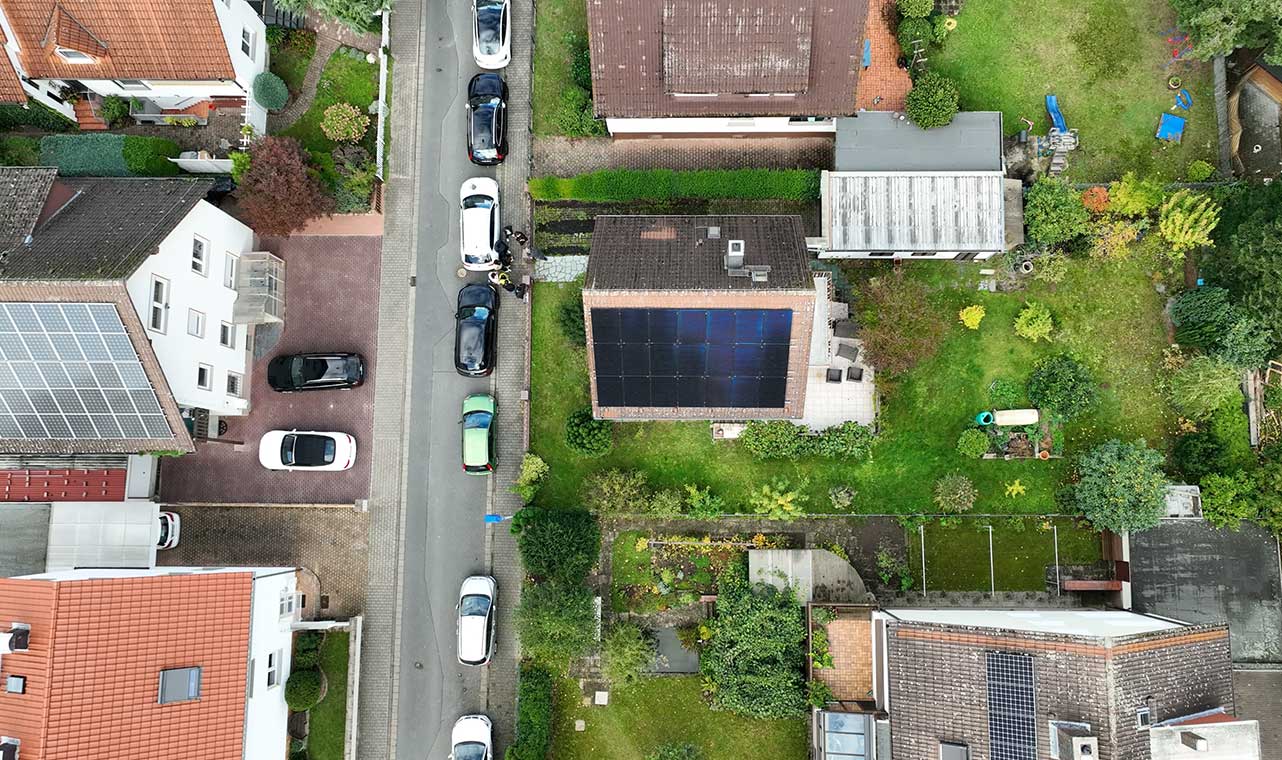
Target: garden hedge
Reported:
point(149, 156)
point(533, 715)
point(270, 91)
point(109, 155)
point(661, 184)
point(35, 115)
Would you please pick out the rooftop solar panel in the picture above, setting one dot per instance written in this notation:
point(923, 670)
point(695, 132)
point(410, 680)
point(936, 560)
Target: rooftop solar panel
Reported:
point(69, 371)
point(1012, 729)
point(691, 357)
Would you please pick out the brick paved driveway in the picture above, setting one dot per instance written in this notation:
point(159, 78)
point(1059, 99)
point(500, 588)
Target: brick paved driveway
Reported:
point(328, 542)
point(331, 297)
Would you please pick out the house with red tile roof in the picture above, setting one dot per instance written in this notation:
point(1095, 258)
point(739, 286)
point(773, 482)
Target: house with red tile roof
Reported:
point(166, 664)
point(172, 58)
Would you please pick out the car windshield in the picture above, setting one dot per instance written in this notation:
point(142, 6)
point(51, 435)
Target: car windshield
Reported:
point(307, 450)
point(469, 751)
point(489, 20)
point(474, 313)
point(474, 604)
point(164, 531)
point(477, 420)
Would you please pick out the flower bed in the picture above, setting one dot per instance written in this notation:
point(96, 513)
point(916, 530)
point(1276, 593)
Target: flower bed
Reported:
point(650, 573)
point(1043, 440)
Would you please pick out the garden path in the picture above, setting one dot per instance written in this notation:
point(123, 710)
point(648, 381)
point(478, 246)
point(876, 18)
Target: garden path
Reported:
point(325, 47)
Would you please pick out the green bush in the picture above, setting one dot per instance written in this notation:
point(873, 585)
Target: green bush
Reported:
point(1202, 316)
point(1005, 394)
point(36, 114)
point(1121, 487)
point(774, 439)
point(911, 9)
point(19, 151)
point(556, 623)
point(954, 493)
point(239, 164)
point(569, 316)
point(303, 689)
point(558, 544)
point(1187, 221)
point(270, 91)
point(1062, 385)
point(675, 751)
point(627, 654)
point(914, 29)
point(973, 443)
point(344, 122)
point(530, 478)
point(1034, 322)
point(574, 116)
point(1132, 196)
point(533, 714)
point(97, 155)
point(932, 102)
point(306, 659)
point(580, 61)
point(1229, 499)
point(1196, 455)
point(1247, 344)
point(666, 184)
point(113, 110)
point(149, 156)
point(777, 500)
point(308, 641)
point(1203, 385)
point(702, 503)
point(1199, 171)
point(849, 440)
point(615, 492)
point(1054, 213)
point(587, 435)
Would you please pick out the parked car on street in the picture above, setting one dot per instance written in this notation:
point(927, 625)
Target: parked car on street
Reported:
point(315, 372)
point(474, 327)
point(487, 119)
point(170, 526)
point(475, 625)
point(472, 738)
point(480, 223)
point(492, 33)
point(478, 434)
point(306, 450)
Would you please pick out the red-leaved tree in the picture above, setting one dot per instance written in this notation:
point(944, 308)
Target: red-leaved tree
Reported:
point(278, 192)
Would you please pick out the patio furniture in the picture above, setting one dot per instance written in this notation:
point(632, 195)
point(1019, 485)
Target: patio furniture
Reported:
point(848, 352)
point(1171, 128)
point(845, 329)
point(834, 375)
point(854, 374)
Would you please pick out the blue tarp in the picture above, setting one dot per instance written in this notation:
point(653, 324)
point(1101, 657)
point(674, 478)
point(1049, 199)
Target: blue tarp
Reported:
point(1171, 127)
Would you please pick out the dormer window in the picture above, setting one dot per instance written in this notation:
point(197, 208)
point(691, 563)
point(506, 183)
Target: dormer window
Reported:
point(74, 56)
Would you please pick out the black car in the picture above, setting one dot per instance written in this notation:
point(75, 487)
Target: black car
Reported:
point(315, 372)
point(487, 119)
point(474, 325)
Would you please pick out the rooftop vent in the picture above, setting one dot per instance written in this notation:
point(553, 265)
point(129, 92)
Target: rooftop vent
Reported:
point(735, 255)
point(9, 748)
point(1085, 748)
point(714, 233)
point(1193, 741)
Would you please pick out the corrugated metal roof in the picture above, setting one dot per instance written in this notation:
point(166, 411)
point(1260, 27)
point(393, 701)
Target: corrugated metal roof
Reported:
point(877, 142)
point(927, 211)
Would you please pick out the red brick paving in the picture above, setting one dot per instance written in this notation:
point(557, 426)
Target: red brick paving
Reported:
point(883, 86)
point(331, 297)
point(850, 641)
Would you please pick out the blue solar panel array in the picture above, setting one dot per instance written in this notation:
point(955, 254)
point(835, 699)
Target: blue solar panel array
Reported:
point(691, 357)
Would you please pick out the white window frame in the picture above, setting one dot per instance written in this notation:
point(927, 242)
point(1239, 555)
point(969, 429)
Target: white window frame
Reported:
point(231, 268)
point(209, 376)
point(227, 335)
point(238, 380)
point(288, 604)
point(200, 255)
point(76, 57)
point(273, 668)
point(158, 316)
point(196, 320)
point(247, 42)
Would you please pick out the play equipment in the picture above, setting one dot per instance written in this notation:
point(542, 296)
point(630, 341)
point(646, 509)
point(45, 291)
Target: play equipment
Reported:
point(1057, 118)
point(1171, 128)
point(1184, 99)
point(1016, 417)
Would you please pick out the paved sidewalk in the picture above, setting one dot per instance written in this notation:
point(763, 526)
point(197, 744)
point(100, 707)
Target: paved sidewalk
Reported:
point(567, 156)
point(325, 47)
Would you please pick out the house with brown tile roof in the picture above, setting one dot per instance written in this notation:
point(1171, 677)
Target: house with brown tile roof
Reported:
point(1030, 684)
point(168, 664)
point(738, 67)
point(170, 57)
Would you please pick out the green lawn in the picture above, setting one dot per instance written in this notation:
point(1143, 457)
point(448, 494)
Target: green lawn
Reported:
point(289, 59)
point(344, 80)
point(554, 21)
point(329, 719)
point(957, 554)
point(666, 709)
point(1103, 59)
point(1108, 316)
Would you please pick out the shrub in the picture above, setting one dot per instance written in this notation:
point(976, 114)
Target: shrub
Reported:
point(1034, 322)
point(587, 435)
point(614, 492)
point(1248, 267)
point(357, 15)
point(36, 114)
point(239, 165)
point(971, 316)
point(1203, 385)
point(819, 694)
point(276, 35)
point(19, 151)
point(113, 110)
point(773, 439)
point(665, 503)
point(278, 192)
point(911, 29)
point(344, 122)
point(574, 116)
point(777, 501)
point(149, 156)
point(558, 544)
point(1113, 238)
point(897, 331)
point(270, 91)
point(1121, 487)
point(556, 623)
point(1061, 385)
point(1199, 171)
point(915, 8)
point(1095, 199)
point(1052, 268)
point(954, 493)
point(533, 471)
point(580, 61)
point(702, 503)
point(849, 440)
point(303, 689)
point(666, 184)
point(972, 443)
point(1247, 344)
point(1196, 455)
point(1187, 221)
point(305, 659)
point(1054, 213)
point(1229, 499)
point(1132, 196)
point(627, 654)
point(932, 102)
point(308, 641)
point(97, 155)
point(1005, 394)
point(1202, 316)
point(533, 714)
point(569, 316)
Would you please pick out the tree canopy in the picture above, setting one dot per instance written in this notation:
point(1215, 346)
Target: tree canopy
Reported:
point(1121, 486)
point(1218, 27)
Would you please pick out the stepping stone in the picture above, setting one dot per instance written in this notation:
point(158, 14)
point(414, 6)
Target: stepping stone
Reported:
point(602, 698)
point(580, 725)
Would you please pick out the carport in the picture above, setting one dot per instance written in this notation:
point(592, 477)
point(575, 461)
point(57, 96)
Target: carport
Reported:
point(102, 534)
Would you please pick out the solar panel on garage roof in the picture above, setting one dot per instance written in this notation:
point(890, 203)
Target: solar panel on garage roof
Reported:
point(1012, 729)
point(691, 357)
point(69, 370)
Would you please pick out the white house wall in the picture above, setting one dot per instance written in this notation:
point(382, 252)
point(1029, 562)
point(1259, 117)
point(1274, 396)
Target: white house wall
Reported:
point(235, 16)
point(265, 711)
point(755, 125)
point(179, 352)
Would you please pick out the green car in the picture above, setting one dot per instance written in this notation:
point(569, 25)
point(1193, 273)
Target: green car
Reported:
point(478, 434)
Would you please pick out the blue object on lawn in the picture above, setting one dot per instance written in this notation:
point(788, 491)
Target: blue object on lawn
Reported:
point(867, 53)
point(984, 419)
point(1184, 99)
point(1170, 127)
point(1057, 118)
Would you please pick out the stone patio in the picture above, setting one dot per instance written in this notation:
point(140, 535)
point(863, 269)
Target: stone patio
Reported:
point(828, 403)
point(850, 642)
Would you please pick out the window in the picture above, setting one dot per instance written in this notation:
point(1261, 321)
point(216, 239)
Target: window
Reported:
point(199, 256)
point(158, 319)
point(227, 335)
point(131, 84)
point(179, 685)
point(204, 377)
point(234, 382)
point(1143, 718)
point(15, 684)
point(288, 602)
point(195, 323)
point(273, 668)
point(231, 265)
point(247, 42)
point(74, 56)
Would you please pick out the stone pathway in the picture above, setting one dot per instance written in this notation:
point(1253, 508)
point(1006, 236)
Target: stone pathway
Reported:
point(568, 156)
point(560, 268)
point(325, 47)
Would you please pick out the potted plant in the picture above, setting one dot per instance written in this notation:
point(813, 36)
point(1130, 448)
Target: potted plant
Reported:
point(1174, 83)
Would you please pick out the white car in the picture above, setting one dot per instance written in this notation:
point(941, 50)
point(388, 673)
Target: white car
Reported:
point(170, 526)
point(479, 223)
point(307, 450)
point(472, 738)
point(476, 620)
point(492, 33)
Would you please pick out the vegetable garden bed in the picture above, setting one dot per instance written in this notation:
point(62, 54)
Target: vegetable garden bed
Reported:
point(650, 573)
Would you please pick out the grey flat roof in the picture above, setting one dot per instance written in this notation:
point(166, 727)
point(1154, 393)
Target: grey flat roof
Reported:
point(876, 141)
point(24, 536)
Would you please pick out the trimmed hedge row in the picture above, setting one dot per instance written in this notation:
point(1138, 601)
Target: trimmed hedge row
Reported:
point(533, 715)
point(109, 155)
point(661, 184)
point(36, 115)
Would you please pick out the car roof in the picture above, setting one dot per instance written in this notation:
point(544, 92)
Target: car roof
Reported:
point(473, 637)
point(476, 449)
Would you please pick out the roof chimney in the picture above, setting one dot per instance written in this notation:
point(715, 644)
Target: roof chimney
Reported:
point(9, 748)
point(735, 254)
point(1085, 748)
point(15, 639)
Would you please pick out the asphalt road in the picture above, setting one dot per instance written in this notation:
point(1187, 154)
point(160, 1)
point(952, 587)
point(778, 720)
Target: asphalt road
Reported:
point(444, 529)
